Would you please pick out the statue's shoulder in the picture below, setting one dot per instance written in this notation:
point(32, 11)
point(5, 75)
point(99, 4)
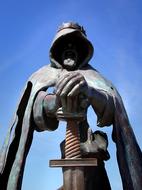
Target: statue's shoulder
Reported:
point(44, 77)
point(97, 80)
point(44, 71)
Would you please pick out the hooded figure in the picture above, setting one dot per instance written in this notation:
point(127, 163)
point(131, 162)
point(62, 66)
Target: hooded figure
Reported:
point(71, 75)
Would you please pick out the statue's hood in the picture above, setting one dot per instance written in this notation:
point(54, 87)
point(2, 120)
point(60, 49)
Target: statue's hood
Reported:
point(71, 32)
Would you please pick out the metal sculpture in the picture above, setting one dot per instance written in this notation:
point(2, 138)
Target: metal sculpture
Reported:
point(77, 85)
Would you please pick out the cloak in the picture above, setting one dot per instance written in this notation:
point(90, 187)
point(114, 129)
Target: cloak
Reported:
point(17, 144)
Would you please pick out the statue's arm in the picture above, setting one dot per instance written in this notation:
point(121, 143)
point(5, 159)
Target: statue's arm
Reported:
point(103, 105)
point(73, 84)
point(68, 88)
point(44, 109)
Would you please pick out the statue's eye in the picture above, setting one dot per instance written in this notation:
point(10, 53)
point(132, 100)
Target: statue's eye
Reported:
point(70, 45)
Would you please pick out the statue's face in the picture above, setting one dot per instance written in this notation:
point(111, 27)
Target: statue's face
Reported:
point(69, 58)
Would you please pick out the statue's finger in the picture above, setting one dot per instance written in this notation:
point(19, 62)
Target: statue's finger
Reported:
point(63, 102)
point(70, 85)
point(63, 82)
point(61, 79)
point(70, 100)
point(74, 103)
point(76, 89)
point(69, 74)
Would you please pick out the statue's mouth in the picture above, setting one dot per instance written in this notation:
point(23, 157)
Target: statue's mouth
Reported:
point(69, 63)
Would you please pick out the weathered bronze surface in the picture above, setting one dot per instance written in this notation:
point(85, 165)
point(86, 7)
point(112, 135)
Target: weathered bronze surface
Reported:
point(73, 162)
point(76, 86)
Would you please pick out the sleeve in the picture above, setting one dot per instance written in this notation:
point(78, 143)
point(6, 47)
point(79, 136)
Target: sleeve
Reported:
point(44, 112)
point(103, 105)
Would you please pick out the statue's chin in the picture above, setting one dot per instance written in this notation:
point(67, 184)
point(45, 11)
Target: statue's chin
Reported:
point(69, 64)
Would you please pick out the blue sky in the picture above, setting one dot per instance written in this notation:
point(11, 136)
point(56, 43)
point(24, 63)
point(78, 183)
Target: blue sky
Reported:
point(27, 30)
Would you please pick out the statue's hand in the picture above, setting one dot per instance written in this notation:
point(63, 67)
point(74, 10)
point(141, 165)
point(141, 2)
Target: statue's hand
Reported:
point(69, 87)
point(50, 104)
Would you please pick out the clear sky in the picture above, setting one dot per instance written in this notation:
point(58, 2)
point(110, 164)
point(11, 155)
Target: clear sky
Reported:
point(26, 32)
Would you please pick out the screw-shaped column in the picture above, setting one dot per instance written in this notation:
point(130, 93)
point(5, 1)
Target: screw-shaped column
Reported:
point(72, 143)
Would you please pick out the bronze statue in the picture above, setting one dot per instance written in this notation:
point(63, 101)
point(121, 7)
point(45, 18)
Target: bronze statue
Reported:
point(76, 86)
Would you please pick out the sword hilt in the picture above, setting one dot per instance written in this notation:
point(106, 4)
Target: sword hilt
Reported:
point(72, 141)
